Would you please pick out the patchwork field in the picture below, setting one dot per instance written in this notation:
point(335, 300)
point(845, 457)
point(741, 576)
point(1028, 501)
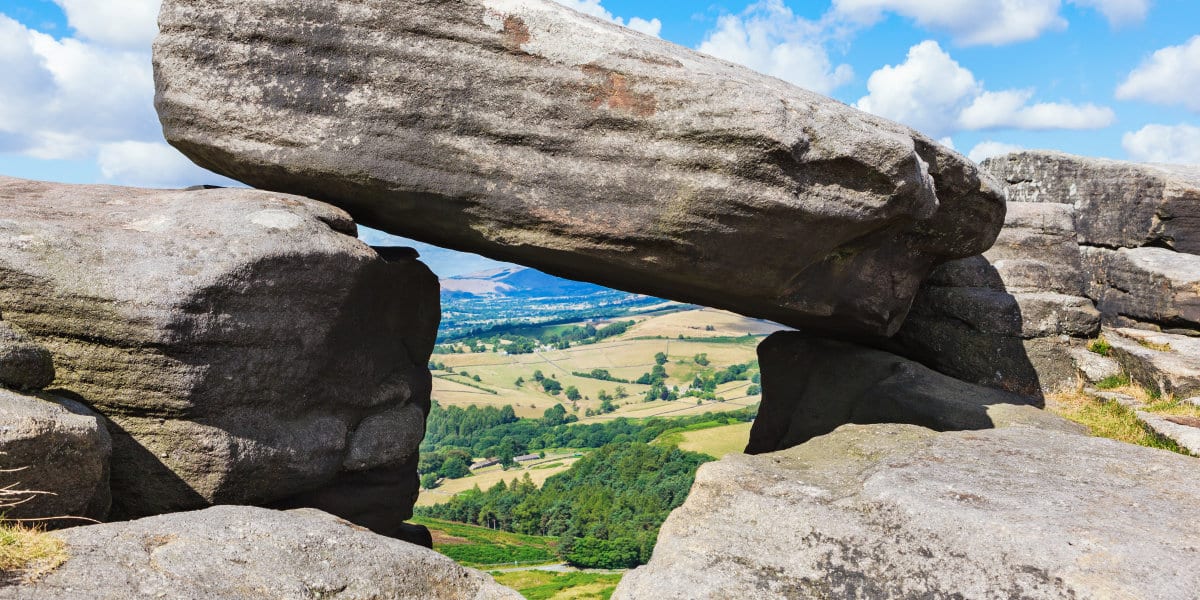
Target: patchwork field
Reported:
point(718, 441)
point(627, 357)
point(538, 471)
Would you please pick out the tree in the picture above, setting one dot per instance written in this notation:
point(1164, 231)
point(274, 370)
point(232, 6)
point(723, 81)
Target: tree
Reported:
point(555, 415)
point(660, 358)
point(621, 393)
point(701, 359)
point(538, 376)
point(455, 468)
point(520, 381)
point(572, 393)
point(429, 481)
point(552, 387)
point(476, 378)
point(753, 390)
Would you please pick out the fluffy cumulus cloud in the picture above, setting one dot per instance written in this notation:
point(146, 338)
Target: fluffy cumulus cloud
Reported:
point(594, 8)
point(994, 22)
point(89, 96)
point(1164, 144)
point(933, 93)
point(768, 37)
point(1170, 76)
point(987, 149)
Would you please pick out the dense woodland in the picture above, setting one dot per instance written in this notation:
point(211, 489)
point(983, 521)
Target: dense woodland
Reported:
point(606, 509)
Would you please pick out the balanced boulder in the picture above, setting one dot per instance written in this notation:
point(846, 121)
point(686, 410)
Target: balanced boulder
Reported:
point(897, 511)
point(812, 386)
point(54, 459)
point(244, 553)
point(525, 131)
point(244, 346)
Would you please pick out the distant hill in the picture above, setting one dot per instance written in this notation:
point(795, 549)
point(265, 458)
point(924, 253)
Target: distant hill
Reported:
point(516, 282)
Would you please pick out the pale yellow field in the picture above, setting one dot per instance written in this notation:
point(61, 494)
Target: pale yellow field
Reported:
point(489, 477)
point(624, 357)
point(717, 441)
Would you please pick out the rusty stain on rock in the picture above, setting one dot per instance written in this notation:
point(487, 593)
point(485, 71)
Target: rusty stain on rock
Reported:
point(613, 90)
point(516, 33)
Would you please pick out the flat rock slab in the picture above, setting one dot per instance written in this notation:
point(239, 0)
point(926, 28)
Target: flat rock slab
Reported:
point(896, 511)
point(1184, 430)
point(244, 346)
point(243, 553)
point(1161, 361)
point(57, 450)
point(812, 386)
point(1152, 285)
point(525, 131)
point(1118, 204)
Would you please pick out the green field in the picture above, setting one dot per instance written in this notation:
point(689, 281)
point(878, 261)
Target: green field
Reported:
point(482, 547)
point(716, 441)
point(547, 585)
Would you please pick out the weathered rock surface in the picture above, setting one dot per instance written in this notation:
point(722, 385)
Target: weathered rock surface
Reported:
point(1151, 285)
point(812, 386)
point(24, 364)
point(1164, 362)
point(525, 131)
point(896, 511)
point(58, 450)
point(244, 553)
point(1184, 430)
point(1118, 204)
point(1010, 318)
point(244, 346)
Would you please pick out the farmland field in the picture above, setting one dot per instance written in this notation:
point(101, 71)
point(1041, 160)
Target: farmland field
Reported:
point(717, 441)
point(486, 478)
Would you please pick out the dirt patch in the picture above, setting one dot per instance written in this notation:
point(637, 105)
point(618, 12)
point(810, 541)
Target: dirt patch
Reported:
point(441, 538)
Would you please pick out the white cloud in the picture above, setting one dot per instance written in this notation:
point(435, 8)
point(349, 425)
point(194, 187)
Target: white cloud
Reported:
point(152, 164)
point(987, 149)
point(1118, 12)
point(971, 22)
point(1170, 76)
point(1011, 109)
point(114, 23)
point(593, 7)
point(992, 22)
point(933, 93)
point(1164, 144)
point(768, 37)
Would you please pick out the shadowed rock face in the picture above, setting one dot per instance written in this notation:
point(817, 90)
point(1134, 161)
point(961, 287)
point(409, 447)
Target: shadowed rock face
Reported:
point(244, 346)
point(527, 132)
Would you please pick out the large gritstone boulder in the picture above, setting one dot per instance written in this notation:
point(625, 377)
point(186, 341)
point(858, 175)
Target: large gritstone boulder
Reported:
point(1166, 363)
point(54, 459)
point(24, 364)
point(525, 131)
point(244, 553)
point(1013, 318)
point(812, 386)
point(244, 346)
point(1119, 204)
point(896, 511)
point(1138, 228)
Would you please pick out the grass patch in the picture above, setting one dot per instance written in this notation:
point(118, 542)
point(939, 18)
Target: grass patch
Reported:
point(1100, 346)
point(546, 466)
point(1175, 408)
point(482, 547)
point(1114, 382)
point(1153, 346)
point(546, 585)
point(1109, 419)
point(456, 378)
point(28, 551)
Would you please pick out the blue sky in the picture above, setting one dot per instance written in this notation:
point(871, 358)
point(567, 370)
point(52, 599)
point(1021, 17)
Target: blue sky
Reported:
point(1110, 78)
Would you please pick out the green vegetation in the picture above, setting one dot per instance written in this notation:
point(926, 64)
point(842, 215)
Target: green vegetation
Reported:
point(606, 509)
point(482, 547)
point(1154, 346)
point(1113, 382)
point(28, 550)
point(602, 375)
point(547, 585)
point(1109, 419)
point(1100, 346)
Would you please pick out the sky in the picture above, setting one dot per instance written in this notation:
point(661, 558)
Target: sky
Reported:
point(1108, 78)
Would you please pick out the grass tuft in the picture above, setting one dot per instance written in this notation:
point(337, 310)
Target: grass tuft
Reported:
point(1100, 346)
point(1114, 382)
point(1154, 346)
point(28, 551)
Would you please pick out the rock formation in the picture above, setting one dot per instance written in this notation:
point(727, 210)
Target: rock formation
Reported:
point(244, 346)
point(24, 364)
point(812, 386)
point(897, 511)
point(525, 131)
point(1164, 363)
point(244, 553)
point(54, 458)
